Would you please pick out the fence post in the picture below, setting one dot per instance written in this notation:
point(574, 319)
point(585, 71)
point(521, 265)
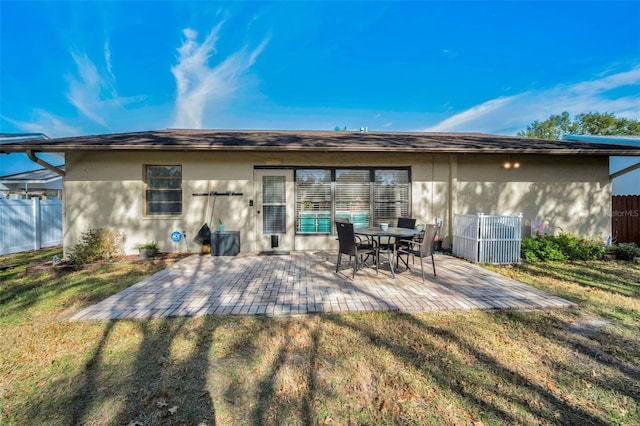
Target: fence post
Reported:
point(37, 224)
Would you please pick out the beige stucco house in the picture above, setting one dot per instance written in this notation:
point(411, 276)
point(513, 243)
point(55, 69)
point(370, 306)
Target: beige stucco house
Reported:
point(293, 185)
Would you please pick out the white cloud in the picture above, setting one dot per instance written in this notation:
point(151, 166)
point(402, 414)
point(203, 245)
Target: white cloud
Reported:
point(627, 78)
point(471, 115)
point(200, 86)
point(44, 122)
point(507, 115)
point(107, 59)
point(93, 92)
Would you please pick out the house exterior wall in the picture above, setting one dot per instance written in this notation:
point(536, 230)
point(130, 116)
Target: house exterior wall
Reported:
point(106, 189)
point(570, 193)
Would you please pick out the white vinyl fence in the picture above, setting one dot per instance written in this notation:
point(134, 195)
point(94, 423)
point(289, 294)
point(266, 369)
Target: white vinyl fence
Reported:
point(29, 224)
point(484, 238)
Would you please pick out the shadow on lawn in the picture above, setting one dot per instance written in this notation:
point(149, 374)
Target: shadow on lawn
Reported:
point(302, 407)
point(88, 287)
point(138, 372)
point(601, 276)
point(452, 375)
point(604, 279)
point(161, 383)
point(158, 383)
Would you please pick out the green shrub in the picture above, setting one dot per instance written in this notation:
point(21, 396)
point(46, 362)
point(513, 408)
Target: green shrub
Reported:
point(153, 245)
point(541, 249)
point(562, 247)
point(97, 245)
point(626, 251)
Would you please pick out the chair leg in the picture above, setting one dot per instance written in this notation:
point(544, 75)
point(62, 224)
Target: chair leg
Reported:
point(421, 267)
point(355, 266)
point(399, 258)
point(338, 263)
point(433, 262)
point(389, 256)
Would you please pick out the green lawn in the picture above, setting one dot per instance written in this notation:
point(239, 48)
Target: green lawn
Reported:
point(575, 366)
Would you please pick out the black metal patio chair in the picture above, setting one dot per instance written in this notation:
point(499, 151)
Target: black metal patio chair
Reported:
point(406, 222)
point(420, 249)
point(403, 222)
point(351, 247)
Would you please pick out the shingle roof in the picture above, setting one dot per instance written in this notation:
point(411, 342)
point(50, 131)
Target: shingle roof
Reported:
point(258, 140)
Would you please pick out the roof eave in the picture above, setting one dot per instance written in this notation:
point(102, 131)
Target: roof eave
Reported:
point(6, 149)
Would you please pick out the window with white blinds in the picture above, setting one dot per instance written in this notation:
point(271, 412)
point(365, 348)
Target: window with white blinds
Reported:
point(391, 195)
point(313, 201)
point(353, 196)
point(364, 197)
point(274, 205)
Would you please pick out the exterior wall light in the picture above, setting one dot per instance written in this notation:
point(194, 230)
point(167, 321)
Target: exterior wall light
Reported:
point(511, 164)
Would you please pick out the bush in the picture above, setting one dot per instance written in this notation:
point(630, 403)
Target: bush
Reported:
point(626, 251)
point(563, 247)
point(97, 245)
point(541, 249)
point(153, 245)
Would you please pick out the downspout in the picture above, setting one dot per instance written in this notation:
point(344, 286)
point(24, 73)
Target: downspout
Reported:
point(624, 171)
point(43, 163)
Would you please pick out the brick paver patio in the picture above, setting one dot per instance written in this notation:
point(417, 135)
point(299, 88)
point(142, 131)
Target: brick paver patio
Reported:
point(306, 282)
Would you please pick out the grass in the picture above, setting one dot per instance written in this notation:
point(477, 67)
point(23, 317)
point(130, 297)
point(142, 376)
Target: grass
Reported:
point(541, 367)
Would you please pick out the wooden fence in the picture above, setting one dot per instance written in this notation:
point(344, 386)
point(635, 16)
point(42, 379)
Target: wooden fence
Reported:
point(29, 224)
point(625, 218)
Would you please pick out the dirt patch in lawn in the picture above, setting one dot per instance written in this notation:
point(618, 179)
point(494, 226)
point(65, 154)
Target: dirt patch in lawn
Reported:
point(588, 328)
point(49, 267)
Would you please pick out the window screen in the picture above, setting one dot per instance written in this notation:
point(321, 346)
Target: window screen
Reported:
point(163, 190)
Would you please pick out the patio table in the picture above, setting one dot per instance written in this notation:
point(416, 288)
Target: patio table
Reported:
point(391, 232)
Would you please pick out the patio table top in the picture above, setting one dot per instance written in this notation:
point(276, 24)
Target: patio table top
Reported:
point(306, 283)
point(389, 232)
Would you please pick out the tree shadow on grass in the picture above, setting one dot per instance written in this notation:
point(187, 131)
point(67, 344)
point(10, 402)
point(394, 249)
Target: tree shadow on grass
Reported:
point(89, 388)
point(163, 382)
point(452, 375)
point(84, 287)
point(302, 407)
point(601, 277)
point(164, 388)
point(599, 346)
point(268, 371)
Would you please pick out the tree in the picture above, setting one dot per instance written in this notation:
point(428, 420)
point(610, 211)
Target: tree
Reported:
point(593, 123)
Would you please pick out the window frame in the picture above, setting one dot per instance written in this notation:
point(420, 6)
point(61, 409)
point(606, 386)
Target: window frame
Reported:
point(150, 190)
point(278, 201)
point(372, 201)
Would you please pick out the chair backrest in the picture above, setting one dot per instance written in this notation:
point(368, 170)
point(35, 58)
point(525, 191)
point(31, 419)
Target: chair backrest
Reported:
point(406, 222)
point(427, 242)
point(346, 237)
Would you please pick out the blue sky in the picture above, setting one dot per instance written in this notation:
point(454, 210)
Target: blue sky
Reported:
point(74, 68)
